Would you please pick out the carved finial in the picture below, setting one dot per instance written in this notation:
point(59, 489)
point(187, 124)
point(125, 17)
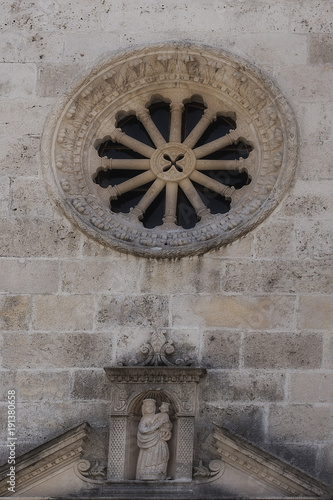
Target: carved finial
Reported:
point(156, 352)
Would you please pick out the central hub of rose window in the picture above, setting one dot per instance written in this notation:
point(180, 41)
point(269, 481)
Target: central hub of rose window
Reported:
point(173, 162)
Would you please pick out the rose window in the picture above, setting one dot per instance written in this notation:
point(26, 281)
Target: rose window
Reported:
point(170, 151)
point(173, 166)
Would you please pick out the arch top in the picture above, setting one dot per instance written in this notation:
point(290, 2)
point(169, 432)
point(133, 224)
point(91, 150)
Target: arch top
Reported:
point(160, 396)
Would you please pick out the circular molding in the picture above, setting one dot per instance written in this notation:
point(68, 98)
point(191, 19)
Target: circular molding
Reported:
point(127, 85)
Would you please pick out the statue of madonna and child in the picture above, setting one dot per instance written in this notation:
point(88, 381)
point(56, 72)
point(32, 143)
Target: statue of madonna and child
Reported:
point(153, 433)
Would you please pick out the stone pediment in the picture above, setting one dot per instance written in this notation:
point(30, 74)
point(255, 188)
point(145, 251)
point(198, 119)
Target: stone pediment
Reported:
point(251, 472)
point(60, 468)
point(49, 469)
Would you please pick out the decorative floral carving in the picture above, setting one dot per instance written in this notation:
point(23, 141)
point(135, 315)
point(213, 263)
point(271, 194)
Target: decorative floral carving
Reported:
point(156, 352)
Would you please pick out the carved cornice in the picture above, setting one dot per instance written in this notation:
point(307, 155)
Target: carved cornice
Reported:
point(126, 84)
point(153, 374)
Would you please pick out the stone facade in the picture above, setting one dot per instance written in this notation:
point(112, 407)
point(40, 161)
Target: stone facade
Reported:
point(256, 313)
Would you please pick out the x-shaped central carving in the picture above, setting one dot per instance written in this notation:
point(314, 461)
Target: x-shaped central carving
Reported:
point(172, 162)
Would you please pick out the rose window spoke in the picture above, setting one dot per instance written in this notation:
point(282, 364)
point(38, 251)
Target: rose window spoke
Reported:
point(174, 165)
point(155, 135)
point(118, 135)
point(200, 128)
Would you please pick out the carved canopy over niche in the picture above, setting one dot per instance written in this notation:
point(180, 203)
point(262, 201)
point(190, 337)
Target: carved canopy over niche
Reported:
point(209, 105)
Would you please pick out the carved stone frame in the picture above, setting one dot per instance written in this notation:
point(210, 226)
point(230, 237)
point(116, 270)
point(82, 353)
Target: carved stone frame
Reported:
point(130, 386)
point(90, 110)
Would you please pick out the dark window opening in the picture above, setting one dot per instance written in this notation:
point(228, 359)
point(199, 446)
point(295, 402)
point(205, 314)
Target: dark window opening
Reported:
point(192, 114)
point(186, 215)
point(160, 114)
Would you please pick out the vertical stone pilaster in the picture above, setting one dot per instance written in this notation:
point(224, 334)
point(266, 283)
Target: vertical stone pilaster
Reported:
point(117, 443)
point(184, 449)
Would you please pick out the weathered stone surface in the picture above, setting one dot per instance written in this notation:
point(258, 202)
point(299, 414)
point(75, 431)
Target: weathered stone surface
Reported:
point(20, 46)
point(142, 310)
point(38, 237)
point(243, 247)
point(303, 457)
point(282, 48)
point(316, 312)
point(54, 79)
point(243, 419)
point(79, 16)
point(4, 195)
point(15, 312)
point(316, 123)
point(243, 387)
point(29, 276)
point(278, 276)
point(3, 430)
point(172, 16)
point(19, 156)
point(76, 48)
point(309, 17)
point(315, 161)
point(328, 351)
point(63, 312)
point(311, 387)
point(45, 351)
point(29, 198)
point(65, 415)
point(314, 240)
point(275, 239)
point(325, 458)
point(282, 350)
point(297, 423)
point(241, 17)
point(90, 385)
point(18, 80)
point(305, 83)
point(236, 311)
point(31, 112)
point(320, 49)
point(101, 276)
point(7, 384)
point(35, 385)
point(220, 349)
point(189, 275)
point(92, 248)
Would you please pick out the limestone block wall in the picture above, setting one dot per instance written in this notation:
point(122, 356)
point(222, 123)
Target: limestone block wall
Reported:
point(257, 313)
